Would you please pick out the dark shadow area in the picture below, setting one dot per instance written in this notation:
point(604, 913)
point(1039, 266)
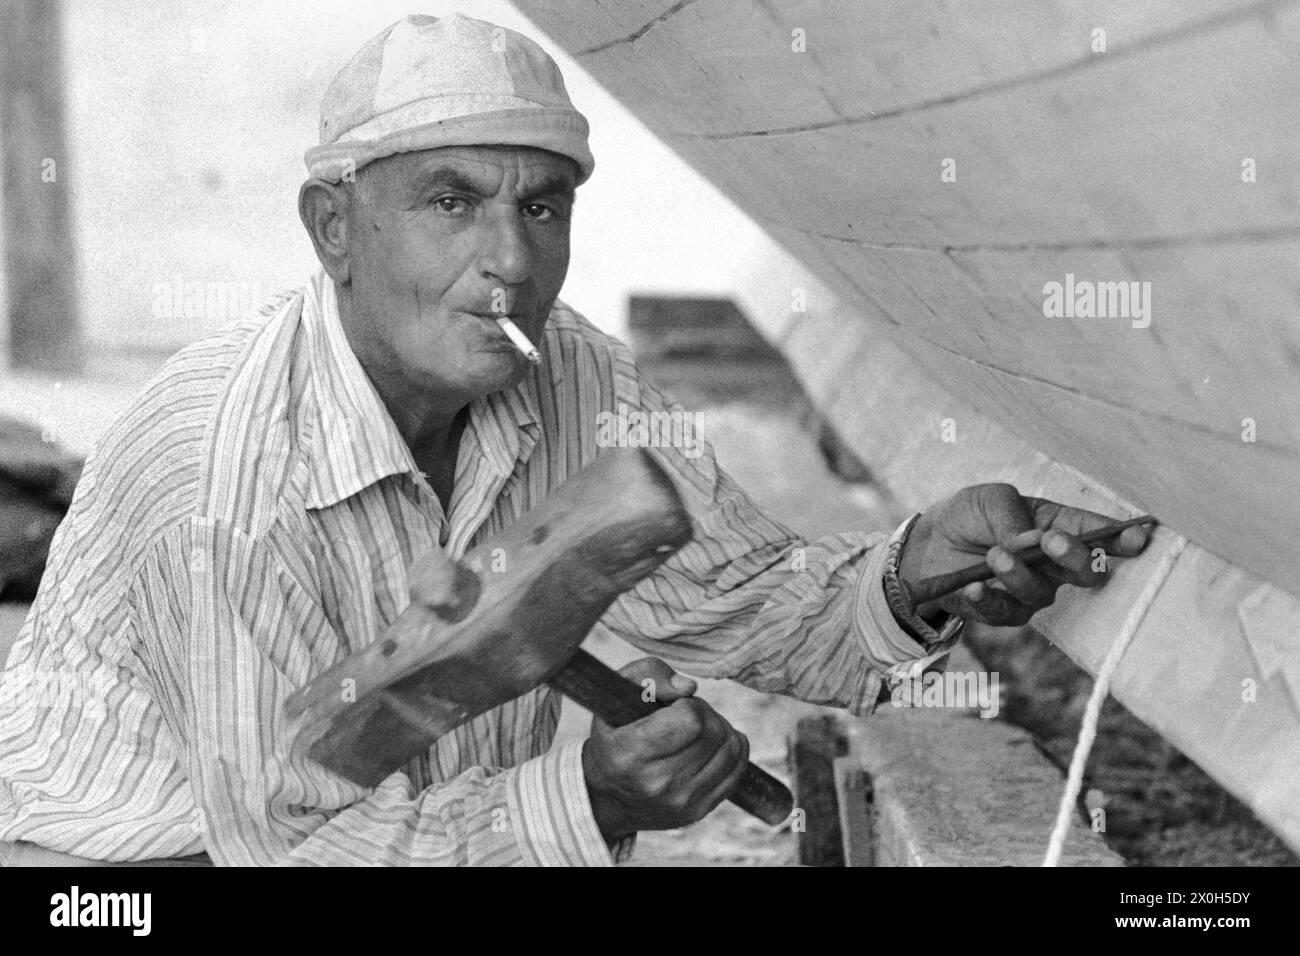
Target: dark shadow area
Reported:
point(1161, 809)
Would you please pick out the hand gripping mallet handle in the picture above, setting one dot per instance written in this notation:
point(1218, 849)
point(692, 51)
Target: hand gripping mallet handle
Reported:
point(617, 701)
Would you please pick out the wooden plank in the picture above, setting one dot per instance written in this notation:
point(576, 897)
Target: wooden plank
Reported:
point(1196, 482)
point(39, 255)
point(1128, 149)
point(853, 798)
point(816, 744)
point(694, 327)
point(1191, 371)
point(950, 789)
point(905, 53)
point(1158, 413)
point(1163, 144)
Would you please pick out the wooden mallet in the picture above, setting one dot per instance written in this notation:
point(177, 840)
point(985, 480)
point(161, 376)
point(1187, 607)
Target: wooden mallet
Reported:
point(511, 615)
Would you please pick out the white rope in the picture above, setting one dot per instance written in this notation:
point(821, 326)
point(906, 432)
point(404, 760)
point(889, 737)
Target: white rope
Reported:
point(1100, 688)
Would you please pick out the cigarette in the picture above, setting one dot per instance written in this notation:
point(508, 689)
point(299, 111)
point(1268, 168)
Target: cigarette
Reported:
point(520, 340)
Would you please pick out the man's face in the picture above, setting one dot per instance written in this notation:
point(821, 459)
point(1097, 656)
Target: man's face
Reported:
point(443, 240)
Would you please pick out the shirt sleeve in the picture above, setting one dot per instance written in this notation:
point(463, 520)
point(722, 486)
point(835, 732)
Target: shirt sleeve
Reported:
point(225, 634)
point(749, 600)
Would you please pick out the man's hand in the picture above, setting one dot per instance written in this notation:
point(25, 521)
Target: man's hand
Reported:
point(667, 769)
point(992, 521)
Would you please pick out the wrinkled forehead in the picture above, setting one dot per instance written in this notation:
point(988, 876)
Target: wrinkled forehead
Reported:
point(484, 168)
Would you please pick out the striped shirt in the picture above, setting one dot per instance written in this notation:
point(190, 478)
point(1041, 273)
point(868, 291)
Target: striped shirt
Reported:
point(249, 522)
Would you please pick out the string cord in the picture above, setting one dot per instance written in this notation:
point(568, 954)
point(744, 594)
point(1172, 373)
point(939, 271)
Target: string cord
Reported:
point(1100, 688)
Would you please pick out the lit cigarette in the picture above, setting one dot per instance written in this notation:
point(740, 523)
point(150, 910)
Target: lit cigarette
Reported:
point(520, 340)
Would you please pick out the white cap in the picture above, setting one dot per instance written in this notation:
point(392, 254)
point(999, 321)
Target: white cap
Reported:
point(426, 82)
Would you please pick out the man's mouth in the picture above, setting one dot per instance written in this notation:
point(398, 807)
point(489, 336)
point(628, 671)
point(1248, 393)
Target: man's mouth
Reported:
point(491, 317)
point(520, 317)
point(513, 338)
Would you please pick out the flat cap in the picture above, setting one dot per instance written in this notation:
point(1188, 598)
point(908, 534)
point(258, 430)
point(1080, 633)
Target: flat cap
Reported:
point(426, 82)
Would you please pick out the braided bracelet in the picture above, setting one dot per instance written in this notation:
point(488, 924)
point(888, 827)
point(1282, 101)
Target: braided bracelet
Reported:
point(915, 625)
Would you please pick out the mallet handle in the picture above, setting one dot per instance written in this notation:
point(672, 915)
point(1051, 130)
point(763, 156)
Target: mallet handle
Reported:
point(617, 701)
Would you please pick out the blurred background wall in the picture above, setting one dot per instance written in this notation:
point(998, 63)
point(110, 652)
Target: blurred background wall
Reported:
point(186, 126)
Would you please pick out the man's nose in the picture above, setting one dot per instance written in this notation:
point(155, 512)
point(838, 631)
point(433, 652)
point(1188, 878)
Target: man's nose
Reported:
point(505, 255)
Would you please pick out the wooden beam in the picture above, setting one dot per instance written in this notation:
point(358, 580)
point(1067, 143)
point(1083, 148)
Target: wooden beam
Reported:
point(44, 331)
point(854, 798)
point(950, 789)
point(814, 748)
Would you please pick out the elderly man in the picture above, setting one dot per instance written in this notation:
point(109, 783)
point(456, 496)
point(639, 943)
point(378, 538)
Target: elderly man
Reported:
point(251, 519)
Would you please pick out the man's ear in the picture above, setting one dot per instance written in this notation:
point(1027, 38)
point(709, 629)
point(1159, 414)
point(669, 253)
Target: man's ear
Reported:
point(323, 208)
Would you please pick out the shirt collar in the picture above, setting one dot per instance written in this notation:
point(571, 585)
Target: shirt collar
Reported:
point(356, 441)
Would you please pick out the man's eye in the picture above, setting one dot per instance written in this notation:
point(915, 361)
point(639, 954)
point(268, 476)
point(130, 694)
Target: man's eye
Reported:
point(540, 211)
point(451, 204)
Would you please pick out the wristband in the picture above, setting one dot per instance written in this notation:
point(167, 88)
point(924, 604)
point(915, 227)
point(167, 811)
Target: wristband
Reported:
point(917, 627)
